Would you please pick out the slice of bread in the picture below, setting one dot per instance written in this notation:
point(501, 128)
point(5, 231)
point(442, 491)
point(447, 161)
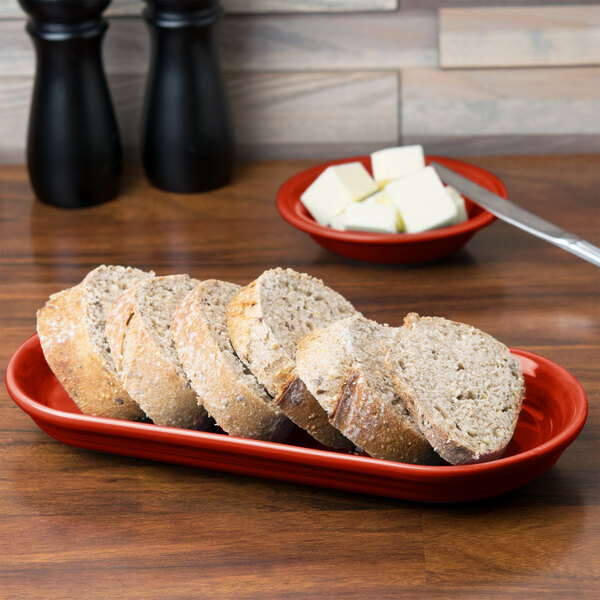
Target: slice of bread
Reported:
point(462, 386)
point(230, 393)
point(343, 367)
point(71, 328)
point(139, 333)
point(266, 319)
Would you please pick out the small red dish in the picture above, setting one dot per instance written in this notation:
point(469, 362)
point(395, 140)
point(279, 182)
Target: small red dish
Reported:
point(388, 248)
point(554, 412)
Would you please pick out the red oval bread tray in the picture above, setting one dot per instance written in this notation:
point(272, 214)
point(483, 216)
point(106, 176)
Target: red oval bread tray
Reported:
point(554, 412)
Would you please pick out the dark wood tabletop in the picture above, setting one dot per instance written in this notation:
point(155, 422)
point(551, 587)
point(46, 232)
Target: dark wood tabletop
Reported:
point(81, 524)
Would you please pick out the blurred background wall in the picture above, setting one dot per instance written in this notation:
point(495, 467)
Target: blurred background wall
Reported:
point(330, 78)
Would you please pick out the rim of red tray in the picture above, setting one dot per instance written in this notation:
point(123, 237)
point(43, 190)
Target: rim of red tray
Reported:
point(557, 443)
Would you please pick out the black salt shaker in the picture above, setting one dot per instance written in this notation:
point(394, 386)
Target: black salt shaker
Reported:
point(73, 144)
point(187, 139)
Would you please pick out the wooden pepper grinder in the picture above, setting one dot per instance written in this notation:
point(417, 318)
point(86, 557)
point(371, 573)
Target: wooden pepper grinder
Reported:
point(73, 144)
point(187, 141)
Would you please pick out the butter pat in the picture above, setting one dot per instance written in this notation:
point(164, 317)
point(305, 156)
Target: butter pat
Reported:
point(392, 163)
point(459, 202)
point(380, 197)
point(383, 197)
point(335, 188)
point(423, 201)
point(337, 222)
point(376, 218)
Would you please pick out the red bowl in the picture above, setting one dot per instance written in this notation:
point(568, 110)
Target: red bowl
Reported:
point(390, 248)
point(554, 412)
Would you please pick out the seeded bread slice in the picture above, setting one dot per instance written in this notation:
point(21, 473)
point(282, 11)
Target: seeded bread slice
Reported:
point(138, 329)
point(463, 387)
point(230, 393)
point(343, 366)
point(265, 321)
point(71, 328)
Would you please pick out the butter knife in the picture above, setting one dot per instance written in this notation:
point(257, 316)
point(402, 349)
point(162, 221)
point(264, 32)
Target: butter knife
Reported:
point(519, 217)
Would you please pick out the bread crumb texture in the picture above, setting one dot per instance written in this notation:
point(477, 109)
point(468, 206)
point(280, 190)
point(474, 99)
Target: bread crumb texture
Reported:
point(156, 300)
point(296, 303)
point(283, 348)
point(229, 391)
point(102, 287)
point(343, 367)
point(72, 331)
point(462, 386)
point(139, 331)
point(267, 318)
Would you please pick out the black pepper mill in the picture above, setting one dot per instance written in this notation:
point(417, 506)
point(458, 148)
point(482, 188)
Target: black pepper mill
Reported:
point(187, 142)
point(73, 145)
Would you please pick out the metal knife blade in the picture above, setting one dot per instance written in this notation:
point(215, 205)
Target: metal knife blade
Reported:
point(519, 217)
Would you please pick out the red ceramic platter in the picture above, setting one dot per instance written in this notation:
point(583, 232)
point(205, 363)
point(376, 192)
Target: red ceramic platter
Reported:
point(554, 412)
point(388, 248)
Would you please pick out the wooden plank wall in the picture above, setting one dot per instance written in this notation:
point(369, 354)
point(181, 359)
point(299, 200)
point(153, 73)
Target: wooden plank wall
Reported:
point(329, 78)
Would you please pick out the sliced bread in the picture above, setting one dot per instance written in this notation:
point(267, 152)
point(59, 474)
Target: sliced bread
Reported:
point(266, 319)
point(139, 333)
point(230, 393)
point(462, 386)
point(71, 328)
point(343, 367)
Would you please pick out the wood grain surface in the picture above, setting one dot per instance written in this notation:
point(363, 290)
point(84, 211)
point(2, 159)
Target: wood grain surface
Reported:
point(320, 114)
point(519, 36)
point(300, 112)
point(265, 43)
point(432, 4)
point(79, 524)
point(515, 69)
point(501, 101)
point(11, 9)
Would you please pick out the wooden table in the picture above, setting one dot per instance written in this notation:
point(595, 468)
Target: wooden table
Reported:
point(78, 524)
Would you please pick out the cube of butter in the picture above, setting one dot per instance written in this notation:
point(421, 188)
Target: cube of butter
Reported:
point(379, 197)
point(459, 202)
point(383, 197)
point(337, 222)
point(377, 218)
point(335, 188)
point(392, 163)
point(422, 201)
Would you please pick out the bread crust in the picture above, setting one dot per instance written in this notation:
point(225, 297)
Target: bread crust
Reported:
point(377, 427)
point(327, 362)
point(254, 342)
point(89, 380)
point(259, 350)
point(116, 327)
point(302, 407)
point(147, 374)
point(449, 448)
point(236, 408)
